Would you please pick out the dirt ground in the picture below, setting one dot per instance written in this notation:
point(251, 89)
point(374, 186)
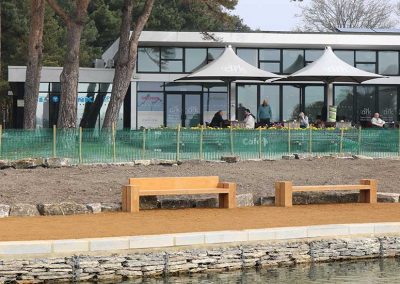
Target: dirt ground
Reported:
point(84, 184)
point(148, 222)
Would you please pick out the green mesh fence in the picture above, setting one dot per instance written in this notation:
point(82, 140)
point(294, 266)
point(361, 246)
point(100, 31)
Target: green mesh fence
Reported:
point(94, 146)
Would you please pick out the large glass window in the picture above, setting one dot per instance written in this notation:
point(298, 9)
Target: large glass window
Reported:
point(312, 54)
point(346, 55)
point(214, 53)
point(387, 97)
point(365, 103)
point(247, 98)
point(270, 60)
point(42, 110)
point(291, 102)
point(313, 101)
point(150, 109)
point(366, 60)
point(271, 94)
point(214, 101)
point(344, 102)
point(92, 104)
point(388, 62)
point(171, 59)
point(148, 59)
point(293, 60)
point(248, 55)
point(195, 58)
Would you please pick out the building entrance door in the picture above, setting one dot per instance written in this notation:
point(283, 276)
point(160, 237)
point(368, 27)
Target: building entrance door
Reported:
point(183, 109)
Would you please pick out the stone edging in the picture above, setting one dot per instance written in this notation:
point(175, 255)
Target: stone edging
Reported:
point(196, 238)
point(211, 258)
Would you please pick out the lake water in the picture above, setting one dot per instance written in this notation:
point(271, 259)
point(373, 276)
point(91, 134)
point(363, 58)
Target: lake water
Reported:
point(361, 271)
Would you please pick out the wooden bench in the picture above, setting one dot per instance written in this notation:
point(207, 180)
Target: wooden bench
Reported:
point(285, 189)
point(138, 187)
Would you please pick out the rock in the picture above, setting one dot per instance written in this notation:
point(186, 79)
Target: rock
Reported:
point(28, 163)
point(143, 162)
point(176, 203)
point(21, 209)
point(388, 197)
point(288, 157)
point(206, 203)
point(94, 207)
point(266, 200)
point(4, 164)
point(230, 159)
point(56, 162)
point(111, 207)
point(244, 200)
point(324, 197)
point(302, 156)
point(4, 210)
point(362, 157)
point(149, 202)
point(64, 208)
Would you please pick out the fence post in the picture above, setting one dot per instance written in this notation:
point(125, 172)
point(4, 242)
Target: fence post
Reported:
point(80, 145)
point(359, 140)
point(201, 143)
point(54, 140)
point(178, 132)
point(113, 140)
point(341, 140)
point(144, 144)
point(310, 141)
point(1, 135)
point(397, 132)
point(289, 150)
point(231, 138)
point(259, 144)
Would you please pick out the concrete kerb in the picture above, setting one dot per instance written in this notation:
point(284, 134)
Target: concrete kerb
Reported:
point(193, 239)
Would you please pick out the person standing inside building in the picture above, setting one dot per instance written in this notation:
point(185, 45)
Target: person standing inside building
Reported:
point(303, 120)
point(264, 113)
point(249, 119)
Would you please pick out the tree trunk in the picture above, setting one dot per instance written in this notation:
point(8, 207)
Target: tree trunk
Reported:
point(34, 65)
point(69, 78)
point(126, 60)
point(75, 22)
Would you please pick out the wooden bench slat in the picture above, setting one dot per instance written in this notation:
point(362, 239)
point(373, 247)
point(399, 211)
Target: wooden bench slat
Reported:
point(298, 188)
point(175, 182)
point(151, 192)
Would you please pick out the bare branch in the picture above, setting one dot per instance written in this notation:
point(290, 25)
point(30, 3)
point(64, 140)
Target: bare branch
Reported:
point(329, 15)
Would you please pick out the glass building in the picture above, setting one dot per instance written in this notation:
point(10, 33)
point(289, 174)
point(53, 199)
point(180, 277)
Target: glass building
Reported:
point(154, 100)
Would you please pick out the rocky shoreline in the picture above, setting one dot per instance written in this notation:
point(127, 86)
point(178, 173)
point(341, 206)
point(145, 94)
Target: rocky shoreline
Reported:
point(217, 258)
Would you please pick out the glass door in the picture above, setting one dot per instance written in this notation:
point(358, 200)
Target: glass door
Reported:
point(174, 112)
point(183, 109)
point(192, 110)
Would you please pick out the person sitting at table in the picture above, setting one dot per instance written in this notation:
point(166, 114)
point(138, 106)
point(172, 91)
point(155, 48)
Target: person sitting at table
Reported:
point(249, 119)
point(303, 120)
point(217, 121)
point(318, 123)
point(376, 121)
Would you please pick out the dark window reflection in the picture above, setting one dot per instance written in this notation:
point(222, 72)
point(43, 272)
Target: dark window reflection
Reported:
point(388, 62)
point(195, 58)
point(344, 103)
point(293, 60)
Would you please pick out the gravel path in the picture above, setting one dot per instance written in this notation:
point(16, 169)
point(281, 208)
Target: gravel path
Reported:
point(84, 184)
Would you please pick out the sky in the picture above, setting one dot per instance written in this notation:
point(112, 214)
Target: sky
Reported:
point(269, 15)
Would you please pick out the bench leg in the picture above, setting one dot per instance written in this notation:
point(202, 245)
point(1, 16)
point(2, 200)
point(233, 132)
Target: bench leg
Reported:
point(369, 196)
point(283, 193)
point(132, 199)
point(227, 200)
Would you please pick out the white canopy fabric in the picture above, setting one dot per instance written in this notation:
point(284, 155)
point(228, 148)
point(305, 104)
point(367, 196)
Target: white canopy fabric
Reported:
point(229, 67)
point(329, 68)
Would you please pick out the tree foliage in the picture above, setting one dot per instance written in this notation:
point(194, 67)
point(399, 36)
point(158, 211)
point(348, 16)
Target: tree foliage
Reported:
point(328, 15)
